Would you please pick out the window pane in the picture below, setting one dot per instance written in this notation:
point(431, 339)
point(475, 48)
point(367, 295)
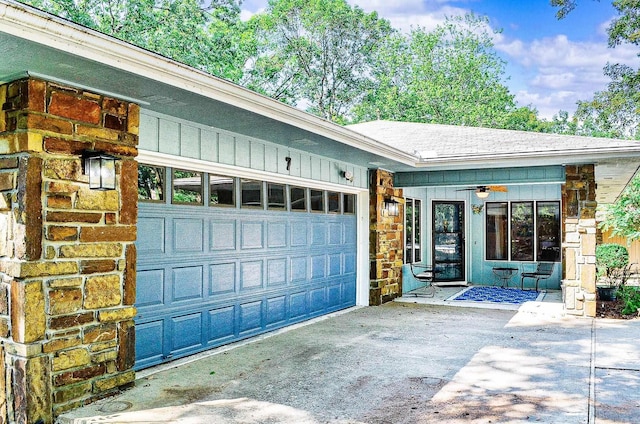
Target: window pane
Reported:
point(522, 231)
point(417, 255)
point(497, 224)
point(408, 231)
point(221, 190)
point(317, 200)
point(334, 202)
point(187, 187)
point(251, 193)
point(151, 182)
point(275, 196)
point(548, 226)
point(349, 203)
point(298, 199)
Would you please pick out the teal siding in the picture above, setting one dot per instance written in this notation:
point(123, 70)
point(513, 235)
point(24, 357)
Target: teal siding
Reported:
point(531, 175)
point(171, 136)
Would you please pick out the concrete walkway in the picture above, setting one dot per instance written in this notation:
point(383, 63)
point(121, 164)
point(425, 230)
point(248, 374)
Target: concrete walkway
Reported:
point(401, 363)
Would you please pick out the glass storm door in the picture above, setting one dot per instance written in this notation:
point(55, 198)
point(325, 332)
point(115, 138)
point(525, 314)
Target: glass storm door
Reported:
point(448, 241)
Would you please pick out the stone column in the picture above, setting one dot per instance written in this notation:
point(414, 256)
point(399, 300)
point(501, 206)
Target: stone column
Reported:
point(67, 253)
point(579, 242)
point(385, 240)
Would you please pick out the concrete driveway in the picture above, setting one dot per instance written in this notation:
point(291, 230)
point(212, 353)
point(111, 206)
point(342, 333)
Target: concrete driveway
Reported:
point(400, 363)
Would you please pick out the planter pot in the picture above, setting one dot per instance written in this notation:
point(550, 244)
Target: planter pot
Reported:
point(607, 293)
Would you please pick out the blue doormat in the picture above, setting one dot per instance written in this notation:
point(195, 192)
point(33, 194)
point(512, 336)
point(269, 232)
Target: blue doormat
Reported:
point(497, 295)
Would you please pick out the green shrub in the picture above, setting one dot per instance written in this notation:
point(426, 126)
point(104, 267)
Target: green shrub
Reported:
point(630, 296)
point(611, 259)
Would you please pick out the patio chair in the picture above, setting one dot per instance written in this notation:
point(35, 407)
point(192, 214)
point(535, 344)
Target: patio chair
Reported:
point(424, 274)
point(543, 271)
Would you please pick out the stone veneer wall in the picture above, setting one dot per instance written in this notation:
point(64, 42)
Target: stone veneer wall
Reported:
point(385, 239)
point(67, 253)
point(579, 242)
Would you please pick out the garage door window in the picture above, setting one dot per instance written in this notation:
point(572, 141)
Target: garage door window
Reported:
point(187, 187)
point(151, 183)
point(298, 199)
point(349, 203)
point(251, 193)
point(275, 196)
point(333, 202)
point(317, 200)
point(221, 190)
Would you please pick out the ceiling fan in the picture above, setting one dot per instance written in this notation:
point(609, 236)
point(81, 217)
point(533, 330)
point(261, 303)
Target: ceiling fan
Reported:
point(483, 191)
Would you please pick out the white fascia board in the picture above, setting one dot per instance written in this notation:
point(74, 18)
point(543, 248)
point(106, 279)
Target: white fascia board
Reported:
point(33, 25)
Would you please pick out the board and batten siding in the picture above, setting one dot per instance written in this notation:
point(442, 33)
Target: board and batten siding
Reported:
point(171, 136)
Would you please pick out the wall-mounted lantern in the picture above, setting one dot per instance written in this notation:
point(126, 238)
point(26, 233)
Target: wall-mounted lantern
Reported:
point(482, 193)
point(101, 169)
point(391, 206)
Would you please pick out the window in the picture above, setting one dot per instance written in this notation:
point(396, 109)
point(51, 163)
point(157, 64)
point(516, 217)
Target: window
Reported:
point(333, 200)
point(187, 187)
point(349, 203)
point(151, 182)
point(523, 231)
point(251, 193)
point(317, 200)
point(413, 212)
point(298, 199)
point(221, 190)
point(275, 196)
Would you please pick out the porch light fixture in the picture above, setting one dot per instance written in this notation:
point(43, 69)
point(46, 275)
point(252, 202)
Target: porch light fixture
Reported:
point(482, 193)
point(101, 169)
point(391, 206)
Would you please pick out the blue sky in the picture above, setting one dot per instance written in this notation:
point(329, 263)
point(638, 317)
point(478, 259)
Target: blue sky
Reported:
point(551, 64)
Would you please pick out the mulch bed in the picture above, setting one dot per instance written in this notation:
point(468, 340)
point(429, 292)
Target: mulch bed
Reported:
point(612, 309)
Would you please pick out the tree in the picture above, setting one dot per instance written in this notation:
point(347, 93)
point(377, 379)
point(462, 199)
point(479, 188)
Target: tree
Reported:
point(616, 110)
point(211, 38)
point(623, 217)
point(451, 75)
point(315, 54)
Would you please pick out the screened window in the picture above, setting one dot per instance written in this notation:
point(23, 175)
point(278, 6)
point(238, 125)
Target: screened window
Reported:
point(251, 193)
point(413, 212)
point(221, 190)
point(151, 182)
point(275, 196)
point(187, 187)
point(298, 199)
point(523, 231)
point(317, 200)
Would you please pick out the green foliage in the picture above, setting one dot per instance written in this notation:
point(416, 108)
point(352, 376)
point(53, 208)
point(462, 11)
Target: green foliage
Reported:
point(211, 38)
point(623, 217)
point(315, 54)
point(612, 261)
point(630, 296)
point(451, 75)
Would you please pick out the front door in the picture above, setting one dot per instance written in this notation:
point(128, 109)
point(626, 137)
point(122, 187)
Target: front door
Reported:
point(448, 240)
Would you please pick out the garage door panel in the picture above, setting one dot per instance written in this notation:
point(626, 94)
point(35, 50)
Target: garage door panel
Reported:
point(349, 262)
point(251, 275)
point(335, 264)
point(222, 324)
point(297, 305)
point(335, 233)
point(276, 310)
point(189, 329)
point(319, 234)
point(317, 300)
point(334, 296)
point(299, 233)
point(318, 266)
point(276, 272)
point(250, 320)
point(187, 284)
point(188, 235)
point(149, 342)
point(252, 235)
point(299, 269)
point(277, 235)
point(223, 235)
point(223, 279)
point(150, 286)
point(151, 235)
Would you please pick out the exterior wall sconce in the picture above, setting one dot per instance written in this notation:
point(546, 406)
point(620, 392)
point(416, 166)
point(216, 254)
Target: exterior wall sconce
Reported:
point(391, 206)
point(482, 193)
point(101, 169)
point(347, 175)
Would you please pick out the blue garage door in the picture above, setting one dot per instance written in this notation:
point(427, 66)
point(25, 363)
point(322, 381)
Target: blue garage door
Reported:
point(208, 276)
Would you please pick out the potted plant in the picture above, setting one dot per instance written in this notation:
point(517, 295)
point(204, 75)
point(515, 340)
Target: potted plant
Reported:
point(612, 262)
